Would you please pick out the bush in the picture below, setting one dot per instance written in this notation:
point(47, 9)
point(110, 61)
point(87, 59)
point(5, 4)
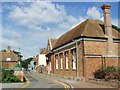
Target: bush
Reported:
point(100, 74)
point(107, 73)
point(7, 76)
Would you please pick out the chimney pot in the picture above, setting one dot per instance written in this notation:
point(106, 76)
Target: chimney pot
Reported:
point(9, 48)
point(106, 6)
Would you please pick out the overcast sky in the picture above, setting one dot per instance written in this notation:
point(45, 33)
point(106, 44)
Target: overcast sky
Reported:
point(28, 25)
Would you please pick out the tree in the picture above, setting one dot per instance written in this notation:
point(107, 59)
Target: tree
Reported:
point(3, 50)
point(26, 62)
point(116, 28)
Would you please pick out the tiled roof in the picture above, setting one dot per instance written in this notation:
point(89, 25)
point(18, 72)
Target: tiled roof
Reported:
point(53, 42)
point(88, 28)
point(5, 55)
point(43, 51)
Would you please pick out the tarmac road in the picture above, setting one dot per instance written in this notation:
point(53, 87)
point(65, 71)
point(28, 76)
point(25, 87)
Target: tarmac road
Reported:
point(39, 81)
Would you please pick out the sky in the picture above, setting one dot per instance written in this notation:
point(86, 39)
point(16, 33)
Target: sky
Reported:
point(28, 25)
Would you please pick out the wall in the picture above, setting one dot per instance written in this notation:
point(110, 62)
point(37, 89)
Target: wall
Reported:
point(96, 57)
point(5, 55)
point(42, 59)
point(95, 47)
point(70, 72)
point(19, 74)
point(9, 64)
point(91, 56)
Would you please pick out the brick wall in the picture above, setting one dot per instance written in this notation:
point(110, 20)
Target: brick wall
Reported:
point(91, 56)
point(19, 74)
point(70, 72)
point(5, 55)
point(95, 47)
point(94, 63)
point(9, 64)
point(99, 48)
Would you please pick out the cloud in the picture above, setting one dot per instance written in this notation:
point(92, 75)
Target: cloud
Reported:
point(41, 21)
point(115, 22)
point(10, 37)
point(38, 13)
point(93, 12)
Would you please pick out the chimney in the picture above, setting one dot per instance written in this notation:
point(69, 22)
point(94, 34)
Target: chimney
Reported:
point(9, 48)
point(108, 28)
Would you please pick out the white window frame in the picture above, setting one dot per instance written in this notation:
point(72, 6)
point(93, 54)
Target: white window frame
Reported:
point(61, 62)
point(56, 62)
point(8, 59)
point(74, 59)
point(66, 60)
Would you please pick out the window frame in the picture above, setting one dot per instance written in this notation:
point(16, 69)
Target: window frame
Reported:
point(74, 59)
point(66, 60)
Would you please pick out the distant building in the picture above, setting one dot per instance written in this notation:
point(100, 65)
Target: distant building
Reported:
point(41, 61)
point(8, 58)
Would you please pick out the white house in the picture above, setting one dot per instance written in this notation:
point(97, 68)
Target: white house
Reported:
point(41, 65)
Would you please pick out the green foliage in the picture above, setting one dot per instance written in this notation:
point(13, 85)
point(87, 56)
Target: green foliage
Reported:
point(26, 62)
point(107, 73)
point(100, 74)
point(0, 74)
point(3, 50)
point(18, 53)
point(8, 77)
point(116, 28)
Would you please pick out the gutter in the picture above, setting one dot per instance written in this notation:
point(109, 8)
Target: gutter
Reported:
point(82, 38)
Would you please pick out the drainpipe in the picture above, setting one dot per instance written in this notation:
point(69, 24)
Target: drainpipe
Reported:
point(76, 43)
point(83, 59)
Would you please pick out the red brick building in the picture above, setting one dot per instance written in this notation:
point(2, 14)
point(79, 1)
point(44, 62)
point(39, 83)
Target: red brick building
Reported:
point(8, 58)
point(50, 56)
point(85, 48)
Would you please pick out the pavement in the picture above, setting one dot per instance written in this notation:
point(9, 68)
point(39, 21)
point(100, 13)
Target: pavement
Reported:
point(38, 80)
point(35, 81)
point(76, 84)
point(12, 85)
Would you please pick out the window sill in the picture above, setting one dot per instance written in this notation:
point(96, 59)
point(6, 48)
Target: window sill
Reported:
point(73, 69)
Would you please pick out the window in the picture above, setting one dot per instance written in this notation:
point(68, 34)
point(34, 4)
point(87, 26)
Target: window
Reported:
point(61, 62)
point(74, 59)
point(66, 58)
point(56, 62)
point(8, 59)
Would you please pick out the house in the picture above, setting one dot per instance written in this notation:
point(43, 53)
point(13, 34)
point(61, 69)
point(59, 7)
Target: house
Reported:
point(49, 55)
point(32, 66)
point(41, 61)
point(9, 58)
point(85, 48)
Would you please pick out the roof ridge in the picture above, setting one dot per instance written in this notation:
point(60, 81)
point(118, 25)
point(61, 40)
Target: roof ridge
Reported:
point(85, 26)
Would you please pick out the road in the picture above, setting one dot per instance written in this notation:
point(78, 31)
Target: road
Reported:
point(40, 81)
